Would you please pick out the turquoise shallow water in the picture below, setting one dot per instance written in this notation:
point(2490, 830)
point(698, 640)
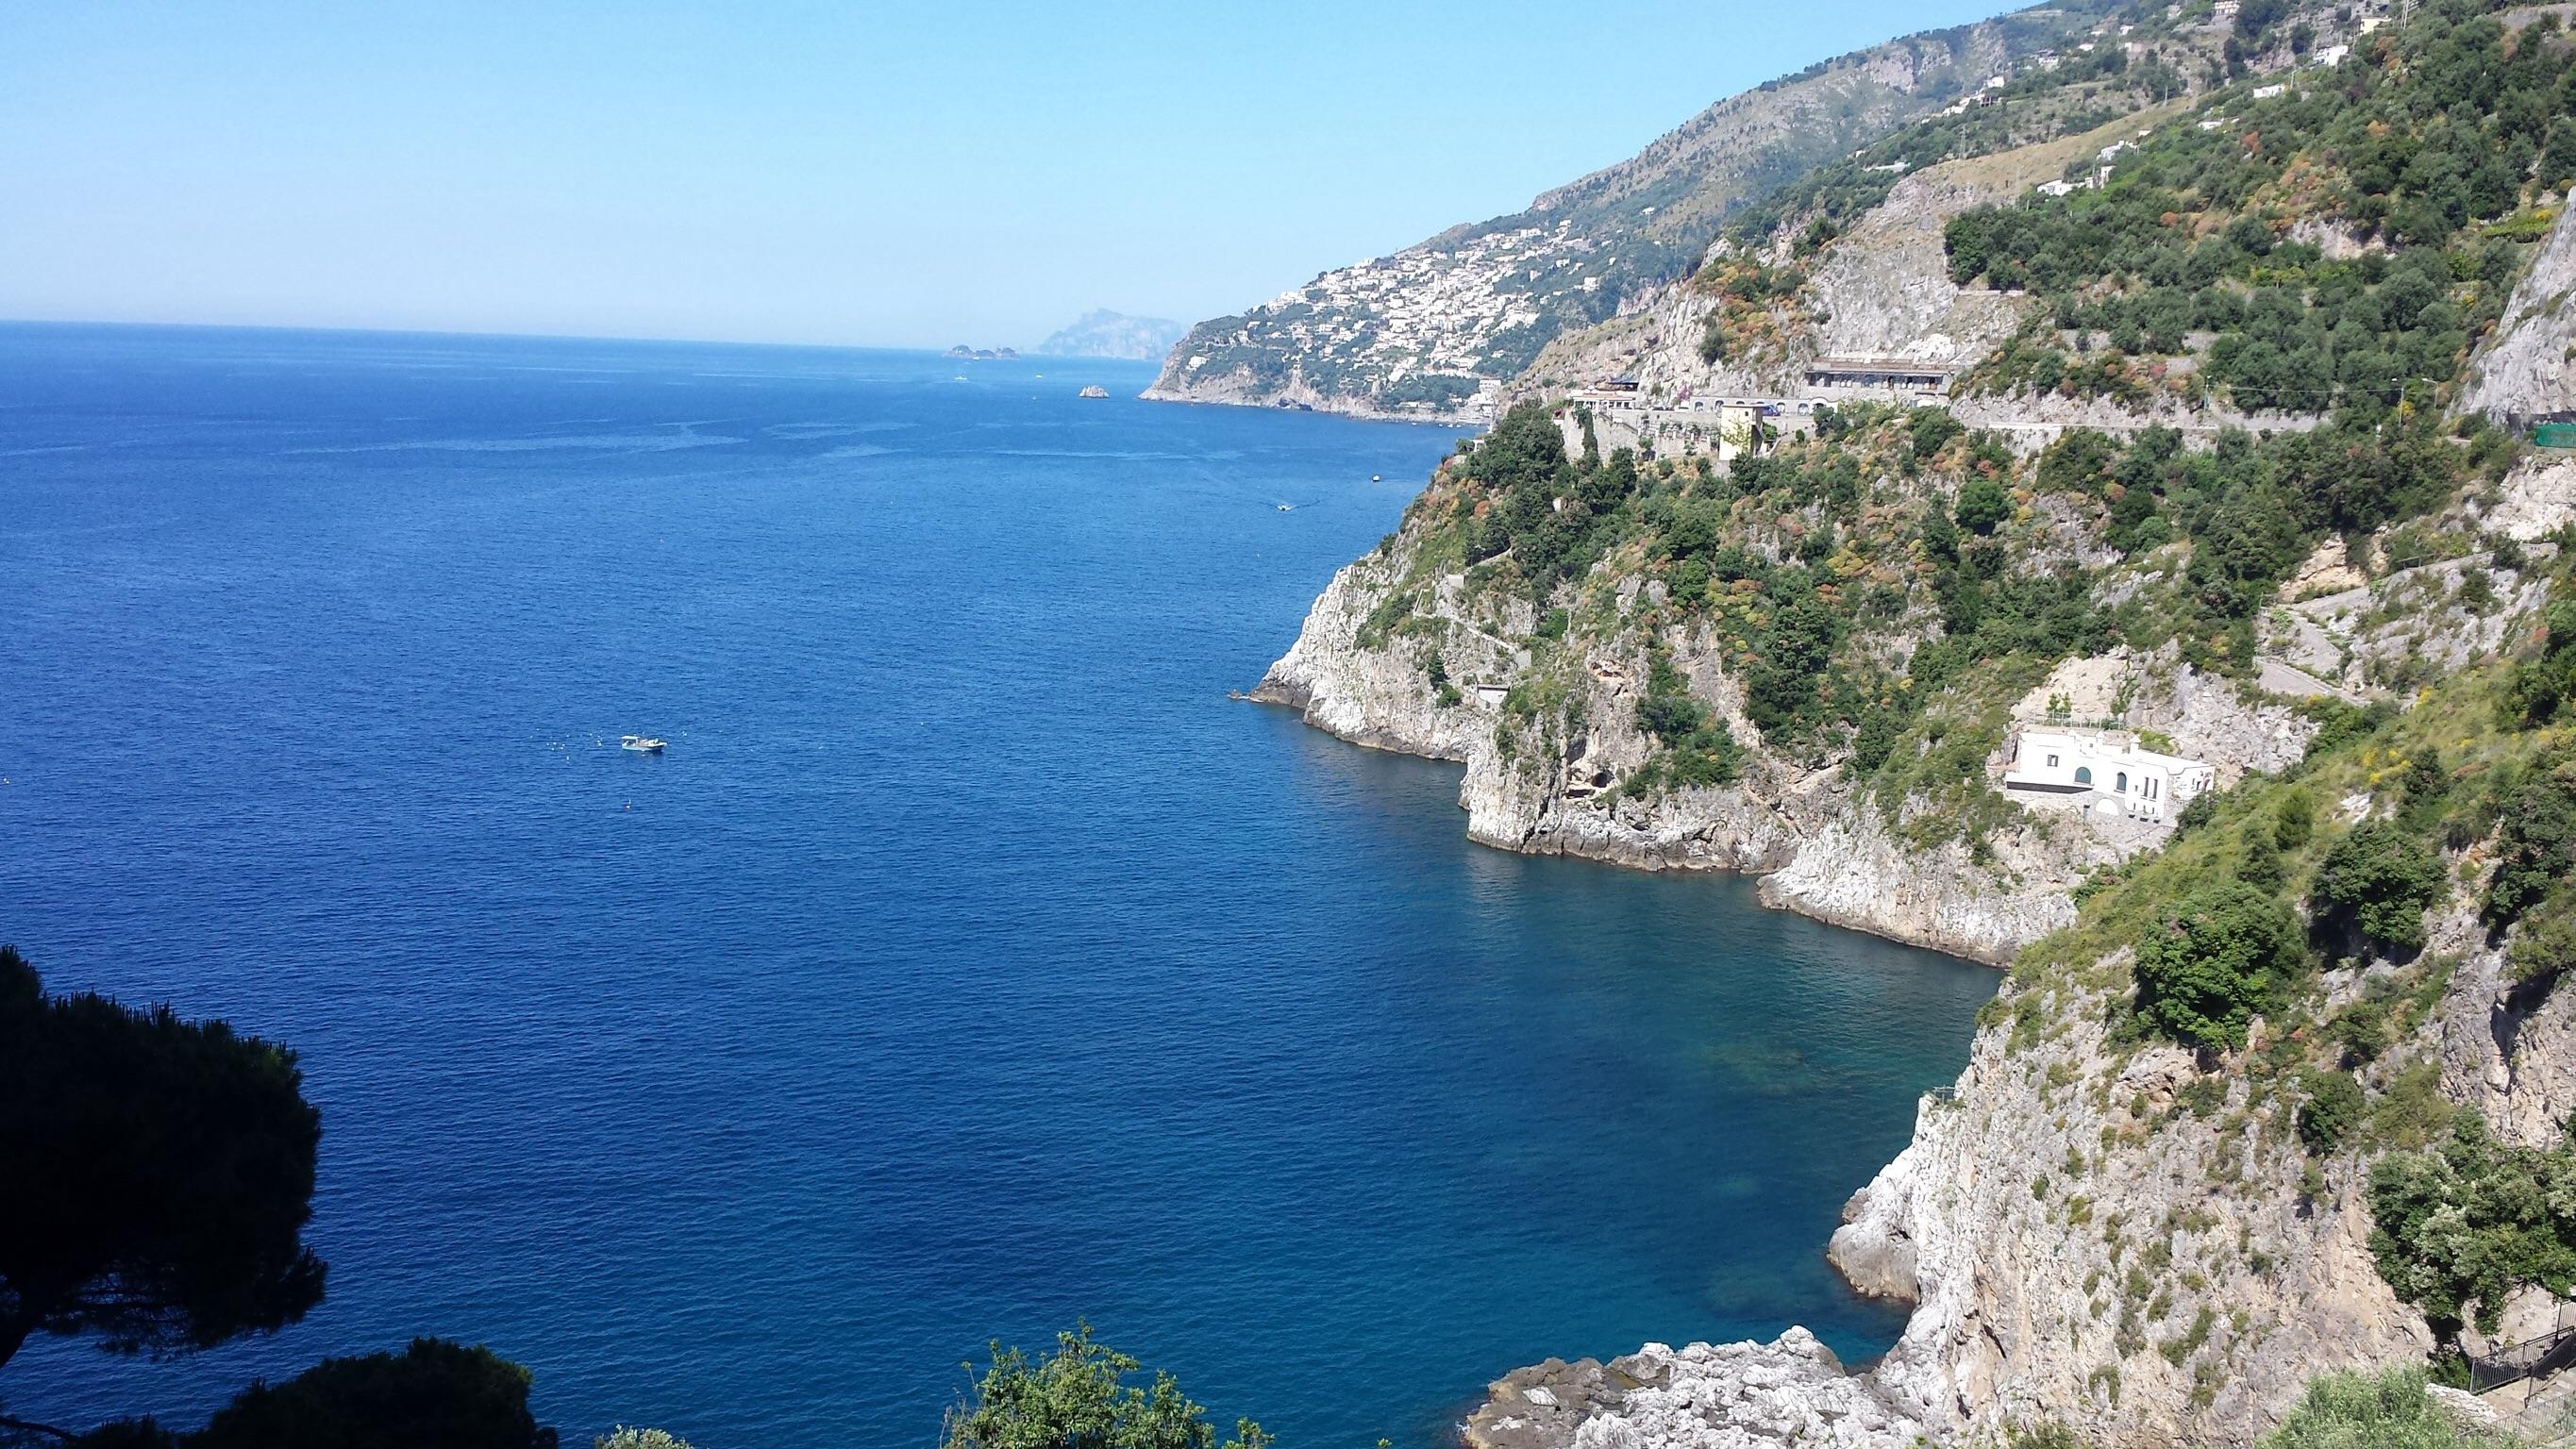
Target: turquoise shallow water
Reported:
point(968, 965)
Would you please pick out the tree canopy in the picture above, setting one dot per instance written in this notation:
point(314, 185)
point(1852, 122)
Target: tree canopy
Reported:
point(433, 1395)
point(160, 1172)
point(2211, 960)
point(2378, 880)
point(1078, 1398)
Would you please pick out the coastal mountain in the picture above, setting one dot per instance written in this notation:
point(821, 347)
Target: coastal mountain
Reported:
point(2142, 577)
point(1417, 333)
point(1103, 333)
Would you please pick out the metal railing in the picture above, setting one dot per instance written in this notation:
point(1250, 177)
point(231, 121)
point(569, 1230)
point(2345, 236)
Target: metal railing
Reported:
point(2530, 1359)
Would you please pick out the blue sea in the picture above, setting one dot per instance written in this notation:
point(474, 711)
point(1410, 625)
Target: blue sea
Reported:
point(969, 966)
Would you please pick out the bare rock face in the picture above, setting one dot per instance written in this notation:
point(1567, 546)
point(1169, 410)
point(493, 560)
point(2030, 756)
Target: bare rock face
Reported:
point(1874, 1248)
point(2508, 1047)
point(1790, 1392)
point(2525, 371)
point(2372, 637)
point(2089, 1252)
point(1886, 290)
point(1380, 698)
point(1849, 870)
point(2538, 498)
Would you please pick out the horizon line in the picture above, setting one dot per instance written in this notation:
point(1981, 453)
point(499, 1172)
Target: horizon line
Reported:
point(460, 333)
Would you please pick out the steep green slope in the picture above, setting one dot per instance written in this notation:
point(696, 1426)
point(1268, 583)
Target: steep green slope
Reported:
point(2423, 161)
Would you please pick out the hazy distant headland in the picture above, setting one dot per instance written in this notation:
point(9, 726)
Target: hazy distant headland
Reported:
point(1103, 333)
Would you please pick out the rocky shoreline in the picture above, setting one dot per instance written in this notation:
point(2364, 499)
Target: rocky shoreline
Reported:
point(1307, 400)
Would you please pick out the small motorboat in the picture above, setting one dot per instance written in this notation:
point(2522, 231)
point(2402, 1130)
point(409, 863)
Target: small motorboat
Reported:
point(642, 744)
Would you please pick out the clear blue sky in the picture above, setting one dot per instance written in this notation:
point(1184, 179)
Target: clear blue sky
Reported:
point(847, 173)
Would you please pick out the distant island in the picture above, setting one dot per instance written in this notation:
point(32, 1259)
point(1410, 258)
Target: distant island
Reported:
point(1113, 334)
point(983, 354)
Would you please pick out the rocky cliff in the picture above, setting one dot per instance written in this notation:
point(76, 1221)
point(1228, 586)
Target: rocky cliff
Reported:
point(1882, 290)
point(2529, 370)
point(2131, 1240)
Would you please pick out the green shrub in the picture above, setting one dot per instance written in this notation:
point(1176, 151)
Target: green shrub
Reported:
point(2334, 1107)
point(2294, 819)
point(2544, 944)
point(2465, 1221)
point(1982, 505)
point(435, 1393)
point(1930, 430)
point(1703, 750)
point(2535, 843)
point(2384, 1410)
point(2378, 880)
point(1078, 1396)
point(2208, 962)
point(2196, 812)
point(2542, 685)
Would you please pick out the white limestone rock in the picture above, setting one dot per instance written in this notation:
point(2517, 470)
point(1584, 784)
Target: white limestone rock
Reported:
point(1791, 1393)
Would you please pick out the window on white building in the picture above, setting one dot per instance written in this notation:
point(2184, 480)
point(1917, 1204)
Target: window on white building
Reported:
point(2122, 785)
point(2052, 762)
point(2084, 774)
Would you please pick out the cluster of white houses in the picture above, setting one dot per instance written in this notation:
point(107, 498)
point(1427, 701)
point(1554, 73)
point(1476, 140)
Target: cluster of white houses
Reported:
point(2106, 771)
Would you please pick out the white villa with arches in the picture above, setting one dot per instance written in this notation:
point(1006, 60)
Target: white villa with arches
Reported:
point(2106, 771)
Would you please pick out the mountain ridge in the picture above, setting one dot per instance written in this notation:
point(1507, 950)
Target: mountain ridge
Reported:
point(1417, 333)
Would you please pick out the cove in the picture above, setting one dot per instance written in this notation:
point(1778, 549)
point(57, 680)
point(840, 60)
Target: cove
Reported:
point(970, 963)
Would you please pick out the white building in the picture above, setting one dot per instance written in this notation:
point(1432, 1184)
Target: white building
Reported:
point(2106, 770)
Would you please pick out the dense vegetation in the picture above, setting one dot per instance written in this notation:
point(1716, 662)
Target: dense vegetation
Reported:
point(1080, 1397)
point(2182, 275)
point(2463, 1222)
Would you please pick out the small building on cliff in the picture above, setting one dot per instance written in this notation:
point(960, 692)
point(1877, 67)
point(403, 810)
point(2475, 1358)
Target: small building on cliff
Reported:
point(2107, 771)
